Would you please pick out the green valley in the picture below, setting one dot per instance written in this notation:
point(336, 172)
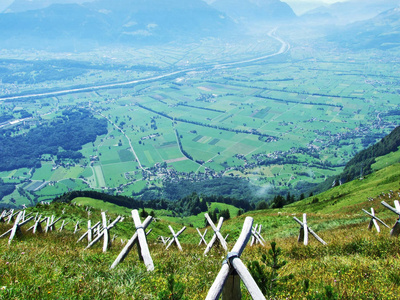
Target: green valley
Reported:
point(282, 123)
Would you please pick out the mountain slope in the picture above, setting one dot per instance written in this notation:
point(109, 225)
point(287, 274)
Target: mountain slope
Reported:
point(352, 11)
point(120, 21)
point(255, 10)
point(25, 5)
point(382, 32)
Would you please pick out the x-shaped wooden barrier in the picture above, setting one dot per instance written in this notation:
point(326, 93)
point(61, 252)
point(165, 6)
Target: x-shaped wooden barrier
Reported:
point(202, 236)
point(305, 229)
point(165, 240)
point(105, 233)
point(256, 236)
point(140, 238)
point(4, 215)
point(19, 222)
point(217, 234)
point(227, 281)
point(175, 237)
point(63, 224)
point(89, 232)
point(51, 224)
point(396, 228)
point(37, 227)
point(374, 220)
point(11, 215)
point(77, 227)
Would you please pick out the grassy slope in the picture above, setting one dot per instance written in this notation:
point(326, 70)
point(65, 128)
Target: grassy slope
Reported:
point(356, 263)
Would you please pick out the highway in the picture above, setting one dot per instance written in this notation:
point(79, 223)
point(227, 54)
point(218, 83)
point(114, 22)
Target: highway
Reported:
point(285, 47)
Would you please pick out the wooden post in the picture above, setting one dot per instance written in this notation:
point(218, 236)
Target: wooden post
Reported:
point(37, 226)
point(395, 231)
point(307, 229)
point(217, 234)
point(51, 225)
point(125, 251)
point(233, 267)
point(10, 216)
point(77, 227)
point(202, 240)
point(256, 236)
point(19, 222)
point(16, 227)
point(105, 233)
point(89, 232)
point(175, 237)
point(144, 248)
point(374, 220)
point(164, 240)
point(63, 224)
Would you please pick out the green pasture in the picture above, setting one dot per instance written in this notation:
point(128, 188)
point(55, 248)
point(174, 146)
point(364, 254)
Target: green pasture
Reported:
point(45, 172)
point(114, 173)
point(99, 176)
point(185, 166)
point(109, 155)
point(53, 190)
point(387, 160)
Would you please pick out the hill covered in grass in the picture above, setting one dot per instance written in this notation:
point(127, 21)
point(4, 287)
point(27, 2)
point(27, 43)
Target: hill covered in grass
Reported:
point(355, 264)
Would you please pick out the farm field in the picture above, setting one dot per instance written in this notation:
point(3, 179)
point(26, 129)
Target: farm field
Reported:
point(287, 122)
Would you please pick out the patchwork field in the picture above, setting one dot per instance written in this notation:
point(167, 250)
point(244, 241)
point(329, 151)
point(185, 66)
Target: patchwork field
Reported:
point(284, 122)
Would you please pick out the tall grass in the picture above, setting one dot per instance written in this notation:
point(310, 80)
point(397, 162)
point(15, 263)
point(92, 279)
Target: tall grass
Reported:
point(356, 263)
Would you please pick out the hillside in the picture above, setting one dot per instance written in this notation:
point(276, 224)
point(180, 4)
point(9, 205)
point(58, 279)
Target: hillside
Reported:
point(346, 12)
point(99, 23)
point(270, 11)
point(349, 267)
point(380, 32)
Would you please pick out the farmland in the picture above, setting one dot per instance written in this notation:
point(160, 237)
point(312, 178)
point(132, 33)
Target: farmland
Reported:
point(204, 111)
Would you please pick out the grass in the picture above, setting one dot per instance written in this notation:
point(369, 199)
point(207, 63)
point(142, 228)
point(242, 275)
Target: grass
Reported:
point(356, 264)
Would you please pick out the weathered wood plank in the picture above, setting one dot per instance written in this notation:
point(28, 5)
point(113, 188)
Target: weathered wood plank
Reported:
point(175, 237)
point(125, 251)
point(219, 282)
point(247, 279)
point(305, 229)
point(217, 234)
point(16, 227)
point(202, 239)
point(144, 248)
point(390, 208)
point(375, 217)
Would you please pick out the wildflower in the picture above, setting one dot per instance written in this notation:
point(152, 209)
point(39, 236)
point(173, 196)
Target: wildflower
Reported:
point(22, 253)
point(3, 287)
point(7, 263)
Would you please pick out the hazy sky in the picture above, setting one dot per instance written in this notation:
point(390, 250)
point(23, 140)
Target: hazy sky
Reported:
point(299, 6)
point(4, 4)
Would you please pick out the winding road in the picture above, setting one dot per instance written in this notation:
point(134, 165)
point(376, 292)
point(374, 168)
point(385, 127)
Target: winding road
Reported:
point(285, 47)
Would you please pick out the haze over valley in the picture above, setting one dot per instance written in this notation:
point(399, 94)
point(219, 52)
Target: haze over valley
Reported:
point(158, 99)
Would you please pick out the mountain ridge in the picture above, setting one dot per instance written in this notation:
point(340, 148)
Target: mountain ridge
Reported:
point(127, 22)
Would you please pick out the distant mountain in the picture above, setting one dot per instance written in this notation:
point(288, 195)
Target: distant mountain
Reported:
point(25, 5)
point(350, 11)
point(255, 10)
point(117, 21)
point(382, 31)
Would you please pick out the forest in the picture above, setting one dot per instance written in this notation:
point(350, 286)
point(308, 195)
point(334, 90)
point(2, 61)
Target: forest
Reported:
point(69, 131)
